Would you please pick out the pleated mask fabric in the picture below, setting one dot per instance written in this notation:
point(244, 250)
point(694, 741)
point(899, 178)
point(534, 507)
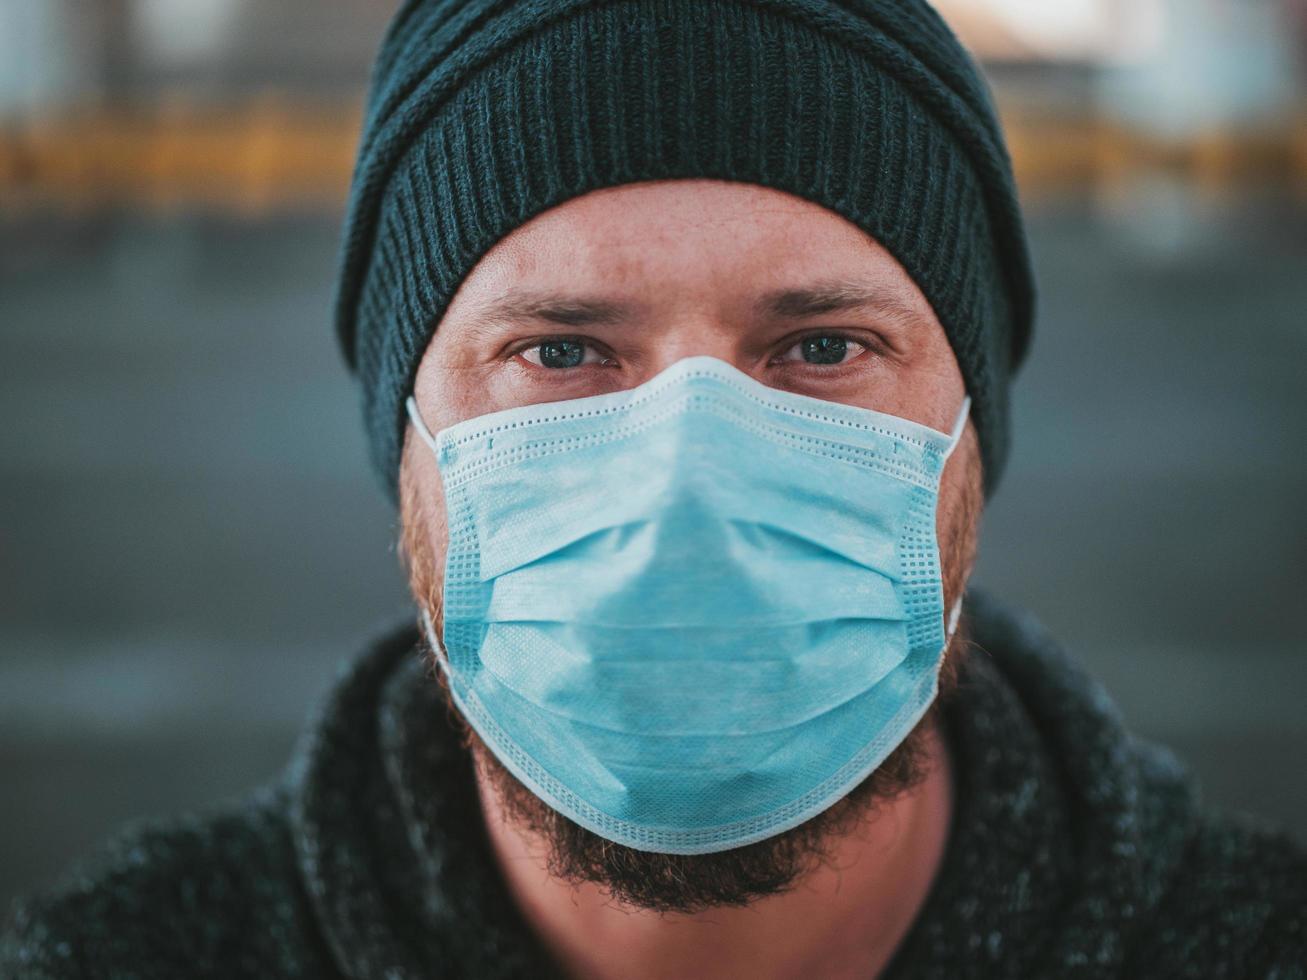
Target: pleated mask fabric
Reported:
point(695, 613)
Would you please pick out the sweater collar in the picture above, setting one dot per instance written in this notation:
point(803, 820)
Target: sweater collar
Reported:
point(1067, 828)
point(388, 834)
point(1063, 833)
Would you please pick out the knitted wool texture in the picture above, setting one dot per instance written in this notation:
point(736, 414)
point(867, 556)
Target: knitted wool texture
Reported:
point(1076, 852)
point(484, 113)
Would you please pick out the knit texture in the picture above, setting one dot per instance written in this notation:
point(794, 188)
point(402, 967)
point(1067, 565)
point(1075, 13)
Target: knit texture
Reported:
point(484, 114)
point(1076, 852)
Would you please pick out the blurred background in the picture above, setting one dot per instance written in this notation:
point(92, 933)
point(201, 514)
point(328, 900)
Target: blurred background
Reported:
point(191, 540)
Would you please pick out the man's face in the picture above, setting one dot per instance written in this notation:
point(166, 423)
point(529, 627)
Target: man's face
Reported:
point(602, 293)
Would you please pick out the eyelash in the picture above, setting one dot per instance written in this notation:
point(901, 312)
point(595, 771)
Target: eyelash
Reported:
point(869, 346)
point(562, 338)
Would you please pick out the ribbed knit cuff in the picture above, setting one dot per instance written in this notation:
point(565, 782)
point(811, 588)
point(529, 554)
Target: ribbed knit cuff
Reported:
point(542, 110)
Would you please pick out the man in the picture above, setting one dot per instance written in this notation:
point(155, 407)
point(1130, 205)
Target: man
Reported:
point(684, 330)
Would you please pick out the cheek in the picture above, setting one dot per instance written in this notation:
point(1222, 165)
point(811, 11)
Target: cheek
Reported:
point(424, 529)
point(431, 494)
point(958, 514)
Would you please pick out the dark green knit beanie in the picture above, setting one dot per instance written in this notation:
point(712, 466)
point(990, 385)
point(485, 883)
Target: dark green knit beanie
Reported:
point(483, 113)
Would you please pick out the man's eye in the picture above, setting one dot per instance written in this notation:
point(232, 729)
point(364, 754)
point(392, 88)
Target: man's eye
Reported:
point(561, 353)
point(824, 348)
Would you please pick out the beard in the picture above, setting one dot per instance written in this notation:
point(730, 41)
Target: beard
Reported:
point(689, 883)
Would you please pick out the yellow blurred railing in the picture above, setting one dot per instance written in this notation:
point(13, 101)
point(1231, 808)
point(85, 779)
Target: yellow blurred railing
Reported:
point(267, 155)
point(1053, 155)
point(271, 155)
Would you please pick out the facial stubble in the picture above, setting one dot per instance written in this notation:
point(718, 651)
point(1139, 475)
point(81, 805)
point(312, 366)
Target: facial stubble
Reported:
point(688, 883)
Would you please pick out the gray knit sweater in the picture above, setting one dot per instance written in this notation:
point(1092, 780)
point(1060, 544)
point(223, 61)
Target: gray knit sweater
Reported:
point(1076, 851)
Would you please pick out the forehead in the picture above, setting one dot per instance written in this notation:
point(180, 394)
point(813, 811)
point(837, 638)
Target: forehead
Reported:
point(699, 236)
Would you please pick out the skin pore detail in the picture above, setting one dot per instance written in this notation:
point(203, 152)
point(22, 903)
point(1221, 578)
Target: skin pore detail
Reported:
point(600, 294)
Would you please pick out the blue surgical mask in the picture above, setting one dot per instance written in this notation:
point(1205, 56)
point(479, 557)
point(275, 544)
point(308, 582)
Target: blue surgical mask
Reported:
point(695, 613)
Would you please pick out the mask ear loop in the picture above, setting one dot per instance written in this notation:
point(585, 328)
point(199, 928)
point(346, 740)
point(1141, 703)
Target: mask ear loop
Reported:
point(955, 437)
point(959, 427)
point(430, 629)
point(954, 615)
point(412, 406)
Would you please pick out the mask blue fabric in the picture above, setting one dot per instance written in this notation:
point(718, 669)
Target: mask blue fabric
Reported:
point(695, 613)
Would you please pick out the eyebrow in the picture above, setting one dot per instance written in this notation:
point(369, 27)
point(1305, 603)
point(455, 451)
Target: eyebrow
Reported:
point(567, 310)
point(830, 296)
point(818, 299)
